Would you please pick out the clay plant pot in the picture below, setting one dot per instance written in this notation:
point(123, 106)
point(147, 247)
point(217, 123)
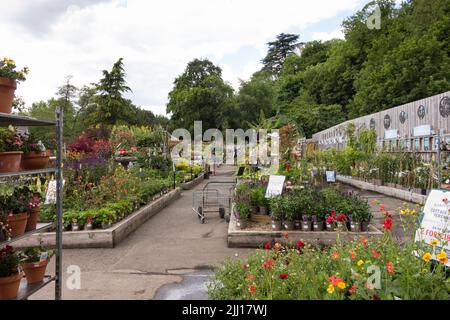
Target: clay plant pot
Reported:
point(35, 271)
point(241, 224)
point(35, 160)
point(276, 225)
point(9, 286)
point(10, 161)
point(7, 88)
point(288, 225)
point(17, 223)
point(32, 220)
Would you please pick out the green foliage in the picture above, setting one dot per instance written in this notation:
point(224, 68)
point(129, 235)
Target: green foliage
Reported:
point(9, 262)
point(8, 69)
point(279, 49)
point(277, 206)
point(33, 254)
point(243, 210)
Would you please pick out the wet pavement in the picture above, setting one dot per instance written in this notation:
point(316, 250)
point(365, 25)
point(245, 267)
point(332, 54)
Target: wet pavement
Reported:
point(192, 287)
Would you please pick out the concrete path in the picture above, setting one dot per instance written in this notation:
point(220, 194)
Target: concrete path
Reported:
point(163, 250)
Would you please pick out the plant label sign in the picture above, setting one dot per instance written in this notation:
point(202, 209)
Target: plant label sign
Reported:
point(331, 176)
point(436, 220)
point(275, 186)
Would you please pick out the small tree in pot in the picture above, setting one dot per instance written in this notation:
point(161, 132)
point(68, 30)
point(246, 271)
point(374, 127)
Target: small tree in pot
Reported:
point(276, 208)
point(361, 215)
point(242, 212)
point(256, 196)
point(34, 261)
point(289, 213)
point(10, 275)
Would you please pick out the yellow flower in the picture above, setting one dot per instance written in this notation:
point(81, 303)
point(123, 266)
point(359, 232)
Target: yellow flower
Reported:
point(330, 289)
point(341, 285)
point(402, 211)
point(434, 242)
point(426, 257)
point(413, 212)
point(360, 263)
point(424, 270)
point(442, 257)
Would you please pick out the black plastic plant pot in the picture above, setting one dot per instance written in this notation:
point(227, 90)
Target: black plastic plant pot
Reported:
point(276, 225)
point(288, 225)
point(306, 225)
point(364, 226)
point(318, 225)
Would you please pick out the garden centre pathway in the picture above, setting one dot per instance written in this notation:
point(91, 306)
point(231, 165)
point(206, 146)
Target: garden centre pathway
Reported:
point(164, 249)
point(168, 257)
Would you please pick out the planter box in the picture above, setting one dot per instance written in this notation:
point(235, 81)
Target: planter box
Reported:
point(260, 218)
point(103, 238)
point(191, 184)
point(255, 239)
point(393, 192)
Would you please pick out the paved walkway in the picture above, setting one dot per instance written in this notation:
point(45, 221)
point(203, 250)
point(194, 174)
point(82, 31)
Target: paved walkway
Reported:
point(169, 247)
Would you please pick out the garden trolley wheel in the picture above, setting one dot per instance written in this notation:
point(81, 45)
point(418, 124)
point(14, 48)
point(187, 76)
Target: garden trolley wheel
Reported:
point(222, 212)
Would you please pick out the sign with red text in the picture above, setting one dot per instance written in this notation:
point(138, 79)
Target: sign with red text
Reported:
point(436, 220)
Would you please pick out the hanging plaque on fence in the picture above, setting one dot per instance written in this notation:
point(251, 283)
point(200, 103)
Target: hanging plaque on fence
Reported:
point(331, 176)
point(436, 221)
point(275, 186)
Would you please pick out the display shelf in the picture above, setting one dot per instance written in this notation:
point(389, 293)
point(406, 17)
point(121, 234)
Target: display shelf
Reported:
point(26, 290)
point(20, 121)
point(41, 227)
point(27, 173)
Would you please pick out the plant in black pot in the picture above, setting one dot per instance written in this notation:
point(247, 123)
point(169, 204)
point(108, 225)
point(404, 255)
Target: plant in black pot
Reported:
point(242, 212)
point(306, 205)
point(276, 208)
point(361, 215)
point(289, 213)
point(255, 199)
point(318, 215)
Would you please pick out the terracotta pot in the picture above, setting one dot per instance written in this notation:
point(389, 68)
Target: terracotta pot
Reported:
point(17, 223)
point(9, 286)
point(35, 160)
point(35, 271)
point(32, 220)
point(7, 88)
point(10, 161)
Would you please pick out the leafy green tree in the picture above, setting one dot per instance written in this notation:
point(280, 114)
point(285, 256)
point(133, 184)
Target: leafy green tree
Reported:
point(279, 49)
point(200, 94)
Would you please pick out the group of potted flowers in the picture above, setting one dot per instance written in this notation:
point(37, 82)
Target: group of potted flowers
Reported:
point(303, 209)
point(19, 212)
point(31, 262)
point(21, 151)
point(9, 77)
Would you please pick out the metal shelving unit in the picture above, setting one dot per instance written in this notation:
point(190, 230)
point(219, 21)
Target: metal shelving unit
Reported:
point(25, 290)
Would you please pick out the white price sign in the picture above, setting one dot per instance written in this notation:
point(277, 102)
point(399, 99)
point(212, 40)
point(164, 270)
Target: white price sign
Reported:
point(331, 176)
point(275, 186)
point(436, 220)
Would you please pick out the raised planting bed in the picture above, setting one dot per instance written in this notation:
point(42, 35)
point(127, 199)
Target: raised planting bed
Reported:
point(257, 234)
point(389, 191)
point(104, 238)
point(191, 184)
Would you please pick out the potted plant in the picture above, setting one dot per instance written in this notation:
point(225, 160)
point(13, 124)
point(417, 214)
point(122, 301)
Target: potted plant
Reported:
point(276, 209)
point(34, 261)
point(318, 215)
point(34, 209)
point(289, 213)
point(10, 275)
point(331, 220)
point(242, 210)
point(9, 76)
point(255, 196)
point(362, 215)
point(35, 156)
point(341, 222)
point(10, 153)
point(16, 208)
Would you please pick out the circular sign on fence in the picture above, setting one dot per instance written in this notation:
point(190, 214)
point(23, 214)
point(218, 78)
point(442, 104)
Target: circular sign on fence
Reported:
point(444, 107)
point(402, 117)
point(387, 121)
point(421, 112)
point(372, 123)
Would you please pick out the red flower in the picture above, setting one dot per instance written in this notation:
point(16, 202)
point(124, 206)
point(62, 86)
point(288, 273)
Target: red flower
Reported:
point(268, 264)
point(333, 213)
point(267, 246)
point(251, 277)
point(353, 255)
point(335, 280)
point(342, 217)
point(388, 215)
point(387, 224)
point(300, 244)
point(283, 276)
point(330, 220)
point(352, 289)
point(375, 253)
point(245, 266)
point(390, 268)
point(363, 241)
point(252, 288)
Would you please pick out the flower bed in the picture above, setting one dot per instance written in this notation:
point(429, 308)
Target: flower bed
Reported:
point(363, 269)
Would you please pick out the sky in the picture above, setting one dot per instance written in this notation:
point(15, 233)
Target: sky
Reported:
point(156, 39)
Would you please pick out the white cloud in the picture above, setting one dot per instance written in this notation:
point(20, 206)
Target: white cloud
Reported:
point(325, 36)
point(156, 39)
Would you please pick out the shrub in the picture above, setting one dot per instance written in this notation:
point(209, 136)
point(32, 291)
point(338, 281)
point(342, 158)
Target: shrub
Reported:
point(243, 210)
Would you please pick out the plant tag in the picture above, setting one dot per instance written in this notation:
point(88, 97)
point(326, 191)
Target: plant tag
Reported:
point(44, 256)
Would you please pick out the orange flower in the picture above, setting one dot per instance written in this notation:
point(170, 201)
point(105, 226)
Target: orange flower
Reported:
point(251, 277)
point(353, 255)
point(363, 241)
point(335, 255)
point(375, 253)
point(390, 268)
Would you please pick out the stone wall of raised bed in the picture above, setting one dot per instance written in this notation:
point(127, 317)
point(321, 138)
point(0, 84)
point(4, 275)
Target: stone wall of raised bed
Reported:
point(104, 238)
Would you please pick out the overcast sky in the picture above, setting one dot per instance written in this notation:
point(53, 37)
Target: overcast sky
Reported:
point(55, 38)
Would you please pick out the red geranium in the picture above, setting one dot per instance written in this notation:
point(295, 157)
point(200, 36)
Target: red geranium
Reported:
point(283, 276)
point(268, 264)
point(252, 288)
point(375, 253)
point(387, 224)
point(267, 246)
point(300, 244)
point(342, 217)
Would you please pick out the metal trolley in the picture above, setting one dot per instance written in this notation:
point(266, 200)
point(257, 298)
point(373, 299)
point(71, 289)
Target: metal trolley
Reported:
point(213, 199)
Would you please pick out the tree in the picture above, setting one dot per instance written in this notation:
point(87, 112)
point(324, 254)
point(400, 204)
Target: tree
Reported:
point(112, 107)
point(200, 94)
point(284, 45)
